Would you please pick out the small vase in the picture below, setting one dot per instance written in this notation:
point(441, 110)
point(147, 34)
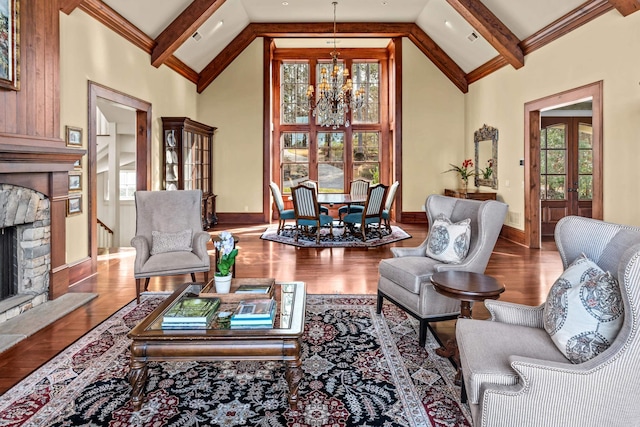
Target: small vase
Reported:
point(223, 283)
point(464, 185)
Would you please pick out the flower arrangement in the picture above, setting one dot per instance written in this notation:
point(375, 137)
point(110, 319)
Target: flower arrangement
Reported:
point(465, 171)
point(488, 171)
point(227, 252)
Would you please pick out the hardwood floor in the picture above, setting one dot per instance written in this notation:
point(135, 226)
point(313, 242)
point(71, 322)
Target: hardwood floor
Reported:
point(526, 273)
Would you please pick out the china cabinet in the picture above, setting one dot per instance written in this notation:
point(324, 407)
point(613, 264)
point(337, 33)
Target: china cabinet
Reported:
point(187, 160)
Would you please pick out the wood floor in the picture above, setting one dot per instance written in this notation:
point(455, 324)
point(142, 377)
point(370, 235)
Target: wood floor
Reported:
point(527, 274)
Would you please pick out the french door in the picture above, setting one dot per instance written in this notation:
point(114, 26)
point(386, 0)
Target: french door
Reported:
point(566, 169)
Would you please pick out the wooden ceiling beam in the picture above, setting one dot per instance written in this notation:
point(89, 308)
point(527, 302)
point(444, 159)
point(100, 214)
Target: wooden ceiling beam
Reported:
point(344, 29)
point(181, 28)
point(626, 7)
point(68, 6)
point(492, 29)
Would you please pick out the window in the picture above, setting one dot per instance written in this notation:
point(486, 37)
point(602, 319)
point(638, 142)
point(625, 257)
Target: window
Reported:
point(127, 184)
point(332, 157)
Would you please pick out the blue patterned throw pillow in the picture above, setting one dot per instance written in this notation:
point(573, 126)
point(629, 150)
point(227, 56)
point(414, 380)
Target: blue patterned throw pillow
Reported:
point(584, 310)
point(449, 242)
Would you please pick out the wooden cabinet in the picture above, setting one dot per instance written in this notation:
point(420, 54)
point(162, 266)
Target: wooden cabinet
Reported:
point(470, 194)
point(188, 159)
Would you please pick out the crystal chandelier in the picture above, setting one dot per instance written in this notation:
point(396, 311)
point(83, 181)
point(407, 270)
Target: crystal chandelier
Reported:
point(335, 92)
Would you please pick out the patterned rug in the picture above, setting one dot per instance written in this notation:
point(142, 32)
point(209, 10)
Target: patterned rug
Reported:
point(339, 239)
point(359, 369)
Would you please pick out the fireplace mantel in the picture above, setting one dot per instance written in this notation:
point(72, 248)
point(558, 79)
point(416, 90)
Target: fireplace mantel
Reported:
point(42, 164)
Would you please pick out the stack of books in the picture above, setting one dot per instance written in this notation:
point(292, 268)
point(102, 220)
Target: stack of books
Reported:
point(254, 313)
point(190, 313)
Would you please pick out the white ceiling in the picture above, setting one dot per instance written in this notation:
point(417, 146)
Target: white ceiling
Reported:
point(436, 18)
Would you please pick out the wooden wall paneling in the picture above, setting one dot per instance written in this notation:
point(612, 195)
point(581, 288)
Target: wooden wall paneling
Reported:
point(267, 45)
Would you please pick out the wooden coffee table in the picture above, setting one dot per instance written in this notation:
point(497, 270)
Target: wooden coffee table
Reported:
point(282, 342)
point(466, 287)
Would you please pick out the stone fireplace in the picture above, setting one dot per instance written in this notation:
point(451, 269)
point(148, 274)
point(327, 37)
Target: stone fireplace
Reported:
point(25, 223)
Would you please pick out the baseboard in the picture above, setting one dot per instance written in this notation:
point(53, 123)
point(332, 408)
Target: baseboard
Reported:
point(80, 270)
point(240, 218)
point(512, 234)
point(419, 217)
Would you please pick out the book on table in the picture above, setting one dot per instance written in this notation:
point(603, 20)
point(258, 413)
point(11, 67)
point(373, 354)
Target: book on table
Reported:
point(260, 322)
point(259, 308)
point(254, 289)
point(191, 312)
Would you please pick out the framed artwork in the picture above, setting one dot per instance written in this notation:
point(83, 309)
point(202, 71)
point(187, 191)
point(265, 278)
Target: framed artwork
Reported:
point(73, 135)
point(74, 205)
point(75, 181)
point(9, 44)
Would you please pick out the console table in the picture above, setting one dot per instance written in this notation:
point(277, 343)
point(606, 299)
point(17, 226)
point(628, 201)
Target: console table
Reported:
point(475, 194)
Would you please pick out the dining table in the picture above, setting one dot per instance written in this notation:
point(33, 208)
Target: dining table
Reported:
point(332, 199)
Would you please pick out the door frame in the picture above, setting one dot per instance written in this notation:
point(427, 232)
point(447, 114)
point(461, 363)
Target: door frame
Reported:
point(532, 122)
point(143, 153)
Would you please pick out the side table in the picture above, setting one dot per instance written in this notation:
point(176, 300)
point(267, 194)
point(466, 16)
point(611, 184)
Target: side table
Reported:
point(466, 287)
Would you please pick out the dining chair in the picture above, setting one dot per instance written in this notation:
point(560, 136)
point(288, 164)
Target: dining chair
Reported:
point(386, 212)
point(283, 214)
point(358, 188)
point(307, 213)
point(371, 214)
point(313, 184)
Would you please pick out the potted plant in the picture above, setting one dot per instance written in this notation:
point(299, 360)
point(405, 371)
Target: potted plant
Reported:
point(226, 258)
point(465, 172)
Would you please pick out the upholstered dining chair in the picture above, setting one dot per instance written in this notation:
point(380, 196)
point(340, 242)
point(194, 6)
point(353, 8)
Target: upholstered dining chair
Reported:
point(307, 213)
point(312, 184)
point(283, 214)
point(169, 238)
point(358, 188)
point(386, 212)
point(405, 279)
point(561, 363)
point(371, 214)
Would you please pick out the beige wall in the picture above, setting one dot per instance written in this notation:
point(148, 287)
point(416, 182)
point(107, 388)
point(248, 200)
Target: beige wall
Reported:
point(233, 103)
point(605, 49)
point(432, 129)
point(91, 52)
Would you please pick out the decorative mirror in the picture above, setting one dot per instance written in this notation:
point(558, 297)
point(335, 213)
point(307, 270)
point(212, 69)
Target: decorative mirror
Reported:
point(486, 142)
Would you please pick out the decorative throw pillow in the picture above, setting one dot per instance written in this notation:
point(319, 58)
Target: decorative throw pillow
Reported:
point(584, 310)
point(449, 242)
point(170, 242)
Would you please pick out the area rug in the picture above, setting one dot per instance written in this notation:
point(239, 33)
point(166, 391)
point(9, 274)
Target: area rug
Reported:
point(359, 369)
point(339, 239)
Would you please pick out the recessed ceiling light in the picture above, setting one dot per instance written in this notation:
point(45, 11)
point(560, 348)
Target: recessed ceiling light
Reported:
point(384, 3)
point(472, 37)
point(448, 24)
point(285, 3)
point(196, 36)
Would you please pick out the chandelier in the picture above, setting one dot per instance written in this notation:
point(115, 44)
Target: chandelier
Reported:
point(335, 91)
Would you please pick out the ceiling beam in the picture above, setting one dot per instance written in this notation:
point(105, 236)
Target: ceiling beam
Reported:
point(492, 29)
point(626, 7)
point(323, 29)
point(182, 28)
point(68, 6)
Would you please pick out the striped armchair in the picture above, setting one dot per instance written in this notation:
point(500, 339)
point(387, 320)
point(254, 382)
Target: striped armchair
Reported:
point(514, 374)
point(371, 214)
point(307, 213)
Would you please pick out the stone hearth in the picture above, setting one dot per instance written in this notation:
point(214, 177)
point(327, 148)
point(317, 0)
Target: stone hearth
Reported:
point(28, 211)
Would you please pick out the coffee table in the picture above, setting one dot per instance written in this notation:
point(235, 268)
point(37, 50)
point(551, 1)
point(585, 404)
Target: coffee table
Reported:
point(467, 287)
point(282, 342)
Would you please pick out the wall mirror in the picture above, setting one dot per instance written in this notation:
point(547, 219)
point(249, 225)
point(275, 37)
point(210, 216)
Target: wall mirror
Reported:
point(486, 142)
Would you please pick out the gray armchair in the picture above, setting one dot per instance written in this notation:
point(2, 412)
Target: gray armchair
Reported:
point(515, 375)
point(169, 238)
point(405, 279)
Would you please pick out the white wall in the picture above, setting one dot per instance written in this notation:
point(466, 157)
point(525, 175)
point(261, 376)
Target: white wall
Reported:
point(604, 49)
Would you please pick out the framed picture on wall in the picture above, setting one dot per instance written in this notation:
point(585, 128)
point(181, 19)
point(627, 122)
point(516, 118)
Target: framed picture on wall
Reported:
point(9, 44)
point(75, 181)
point(74, 205)
point(73, 135)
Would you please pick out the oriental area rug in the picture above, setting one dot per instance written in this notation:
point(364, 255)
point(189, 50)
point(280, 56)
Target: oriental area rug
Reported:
point(359, 369)
point(339, 239)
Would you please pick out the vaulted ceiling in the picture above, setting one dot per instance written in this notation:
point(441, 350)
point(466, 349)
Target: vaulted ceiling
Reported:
point(465, 39)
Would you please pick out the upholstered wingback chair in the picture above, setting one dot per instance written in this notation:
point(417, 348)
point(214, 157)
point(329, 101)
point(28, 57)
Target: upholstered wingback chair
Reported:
point(405, 279)
point(515, 375)
point(169, 238)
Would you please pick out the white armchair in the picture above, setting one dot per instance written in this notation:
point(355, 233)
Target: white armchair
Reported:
point(169, 238)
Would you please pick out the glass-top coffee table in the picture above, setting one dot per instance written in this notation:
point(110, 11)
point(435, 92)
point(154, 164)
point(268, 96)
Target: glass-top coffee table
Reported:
point(282, 342)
